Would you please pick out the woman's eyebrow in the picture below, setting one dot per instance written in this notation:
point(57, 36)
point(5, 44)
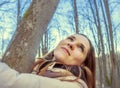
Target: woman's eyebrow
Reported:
point(73, 37)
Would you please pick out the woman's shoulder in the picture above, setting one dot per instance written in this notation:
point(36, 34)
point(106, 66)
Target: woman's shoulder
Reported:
point(74, 80)
point(82, 83)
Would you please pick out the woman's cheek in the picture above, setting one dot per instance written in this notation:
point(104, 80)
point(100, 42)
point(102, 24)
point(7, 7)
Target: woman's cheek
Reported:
point(59, 55)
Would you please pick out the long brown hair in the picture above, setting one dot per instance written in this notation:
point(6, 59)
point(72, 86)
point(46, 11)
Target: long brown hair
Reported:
point(89, 65)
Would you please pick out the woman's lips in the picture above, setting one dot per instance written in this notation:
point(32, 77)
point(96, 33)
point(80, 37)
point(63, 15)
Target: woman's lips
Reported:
point(66, 50)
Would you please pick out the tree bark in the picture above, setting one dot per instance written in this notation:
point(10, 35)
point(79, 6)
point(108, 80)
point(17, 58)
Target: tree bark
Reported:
point(22, 50)
point(112, 52)
point(76, 17)
point(101, 42)
point(96, 17)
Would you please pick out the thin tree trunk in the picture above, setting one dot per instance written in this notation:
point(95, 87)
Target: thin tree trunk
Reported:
point(99, 61)
point(100, 37)
point(24, 44)
point(102, 43)
point(107, 31)
point(107, 37)
point(100, 72)
point(39, 52)
point(44, 44)
point(18, 12)
point(113, 59)
point(76, 17)
point(2, 42)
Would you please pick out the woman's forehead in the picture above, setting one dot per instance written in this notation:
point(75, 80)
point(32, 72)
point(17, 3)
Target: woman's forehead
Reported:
point(79, 37)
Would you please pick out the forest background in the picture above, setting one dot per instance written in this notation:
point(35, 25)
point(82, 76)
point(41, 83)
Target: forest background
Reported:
point(29, 29)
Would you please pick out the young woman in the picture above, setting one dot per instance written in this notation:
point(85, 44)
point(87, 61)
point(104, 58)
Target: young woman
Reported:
point(73, 60)
point(71, 65)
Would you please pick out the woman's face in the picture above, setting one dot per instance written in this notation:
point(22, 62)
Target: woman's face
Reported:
point(72, 50)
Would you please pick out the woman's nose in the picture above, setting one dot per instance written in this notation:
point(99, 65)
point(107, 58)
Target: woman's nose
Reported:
point(71, 46)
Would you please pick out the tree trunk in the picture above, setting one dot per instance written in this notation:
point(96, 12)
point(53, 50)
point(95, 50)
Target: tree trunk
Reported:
point(76, 17)
point(96, 17)
point(112, 54)
point(45, 43)
point(101, 42)
point(108, 39)
point(2, 42)
point(100, 65)
point(18, 12)
point(21, 52)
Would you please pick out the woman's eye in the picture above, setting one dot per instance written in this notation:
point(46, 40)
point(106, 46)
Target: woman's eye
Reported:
point(71, 39)
point(82, 49)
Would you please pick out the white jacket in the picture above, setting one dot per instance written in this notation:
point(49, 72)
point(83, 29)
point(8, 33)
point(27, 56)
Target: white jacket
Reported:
point(10, 78)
